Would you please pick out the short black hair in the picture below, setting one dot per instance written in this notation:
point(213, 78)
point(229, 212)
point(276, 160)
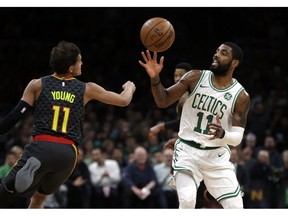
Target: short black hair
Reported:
point(237, 53)
point(63, 56)
point(184, 65)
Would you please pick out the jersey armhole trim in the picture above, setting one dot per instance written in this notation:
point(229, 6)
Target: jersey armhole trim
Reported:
point(235, 99)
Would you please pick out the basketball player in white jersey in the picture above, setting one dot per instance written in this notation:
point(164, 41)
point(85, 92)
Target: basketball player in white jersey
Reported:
point(213, 118)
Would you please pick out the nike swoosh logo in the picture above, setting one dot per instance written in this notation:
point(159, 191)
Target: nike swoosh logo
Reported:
point(202, 86)
point(220, 154)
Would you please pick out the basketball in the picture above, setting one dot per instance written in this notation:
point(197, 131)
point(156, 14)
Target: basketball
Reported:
point(157, 34)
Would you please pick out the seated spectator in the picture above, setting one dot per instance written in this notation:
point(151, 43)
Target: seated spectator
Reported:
point(105, 177)
point(282, 199)
point(163, 173)
point(79, 185)
point(10, 160)
point(275, 156)
point(140, 183)
point(241, 173)
point(262, 188)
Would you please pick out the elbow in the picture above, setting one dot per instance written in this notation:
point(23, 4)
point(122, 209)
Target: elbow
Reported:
point(124, 103)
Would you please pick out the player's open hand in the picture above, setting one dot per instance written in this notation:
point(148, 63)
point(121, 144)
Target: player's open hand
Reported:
point(217, 130)
point(151, 65)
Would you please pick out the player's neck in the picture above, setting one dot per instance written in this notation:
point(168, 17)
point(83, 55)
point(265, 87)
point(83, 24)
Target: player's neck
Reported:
point(222, 82)
point(63, 76)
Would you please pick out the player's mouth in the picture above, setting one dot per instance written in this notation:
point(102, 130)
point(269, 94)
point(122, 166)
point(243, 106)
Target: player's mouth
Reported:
point(215, 63)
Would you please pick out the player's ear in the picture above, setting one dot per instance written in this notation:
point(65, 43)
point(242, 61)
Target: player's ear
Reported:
point(70, 70)
point(235, 63)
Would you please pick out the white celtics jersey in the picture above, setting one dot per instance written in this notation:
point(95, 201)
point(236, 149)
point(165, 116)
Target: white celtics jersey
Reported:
point(202, 106)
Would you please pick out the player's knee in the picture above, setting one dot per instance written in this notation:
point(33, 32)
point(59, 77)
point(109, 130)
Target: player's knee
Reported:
point(233, 202)
point(25, 176)
point(187, 198)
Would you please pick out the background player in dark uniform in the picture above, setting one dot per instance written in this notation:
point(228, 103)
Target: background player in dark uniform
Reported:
point(58, 102)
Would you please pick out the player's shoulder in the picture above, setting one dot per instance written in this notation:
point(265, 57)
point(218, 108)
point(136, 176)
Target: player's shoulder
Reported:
point(35, 83)
point(192, 75)
point(91, 85)
point(244, 97)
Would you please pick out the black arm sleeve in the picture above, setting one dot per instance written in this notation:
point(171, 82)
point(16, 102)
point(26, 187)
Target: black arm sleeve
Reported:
point(14, 116)
point(173, 124)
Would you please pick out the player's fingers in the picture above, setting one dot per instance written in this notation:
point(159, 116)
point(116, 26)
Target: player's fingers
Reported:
point(214, 127)
point(141, 63)
point(218, 119)
point(161, 60)
point(148, 55)
point(144, 57)
point(212, 134)
point(155, 56)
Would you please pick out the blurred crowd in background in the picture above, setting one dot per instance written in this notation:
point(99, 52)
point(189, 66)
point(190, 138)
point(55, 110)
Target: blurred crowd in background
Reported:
point(110, 43)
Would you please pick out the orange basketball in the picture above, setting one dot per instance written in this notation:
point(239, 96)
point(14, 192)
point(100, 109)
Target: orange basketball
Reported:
point(157, 34)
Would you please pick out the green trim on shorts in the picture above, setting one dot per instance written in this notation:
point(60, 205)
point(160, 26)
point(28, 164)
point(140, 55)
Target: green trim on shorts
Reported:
point(187, 171)
point(198, 145)
point(229, 195)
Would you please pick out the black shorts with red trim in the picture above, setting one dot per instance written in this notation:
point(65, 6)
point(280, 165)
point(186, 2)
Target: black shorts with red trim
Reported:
point(57, 156)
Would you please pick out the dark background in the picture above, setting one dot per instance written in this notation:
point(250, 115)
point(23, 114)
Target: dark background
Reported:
point(110, 44)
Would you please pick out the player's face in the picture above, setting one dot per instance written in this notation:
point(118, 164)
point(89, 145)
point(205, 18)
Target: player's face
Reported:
point(179, 72)
point(76, 69)
point(222, 60)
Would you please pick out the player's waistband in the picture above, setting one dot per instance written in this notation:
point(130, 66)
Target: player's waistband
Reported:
point(49, 138)
point(197, 145)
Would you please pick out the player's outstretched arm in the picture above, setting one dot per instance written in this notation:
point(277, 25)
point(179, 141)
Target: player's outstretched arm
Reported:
point(96, 92)
point(163, 97)
point(29, 96)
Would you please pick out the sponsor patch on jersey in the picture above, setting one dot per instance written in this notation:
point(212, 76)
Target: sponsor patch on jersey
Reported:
point(228, 96)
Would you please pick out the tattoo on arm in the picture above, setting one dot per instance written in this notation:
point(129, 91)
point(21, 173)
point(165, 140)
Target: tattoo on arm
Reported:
point(242, 110)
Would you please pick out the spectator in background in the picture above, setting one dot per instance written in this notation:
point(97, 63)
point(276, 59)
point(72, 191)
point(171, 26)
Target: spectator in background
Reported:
point(140, 182)
point(18, 150)
point(156, 156)
point(261, 180)
point(246, 157)
point(258, 122)
point(105, 177)
point(241, 173)
point(164, 174)
point(261, 169)
point(285, 164)
point(282, 188)
point(10, 160)
point(79, 184)
point(274, 155)
point(250, 141)
point(118, 156)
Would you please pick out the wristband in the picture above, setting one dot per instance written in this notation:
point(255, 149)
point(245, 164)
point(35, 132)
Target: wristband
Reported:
point(233, 137)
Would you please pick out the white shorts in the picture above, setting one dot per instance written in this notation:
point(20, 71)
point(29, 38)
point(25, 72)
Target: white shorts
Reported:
point(211, 165)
